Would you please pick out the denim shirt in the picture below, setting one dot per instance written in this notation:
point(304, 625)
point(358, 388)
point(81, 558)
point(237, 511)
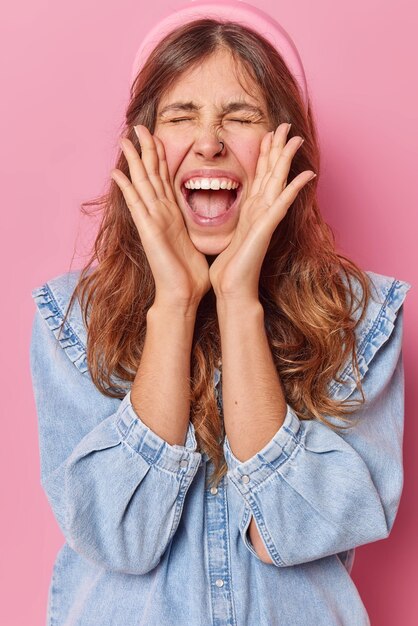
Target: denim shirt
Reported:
point(147, 544)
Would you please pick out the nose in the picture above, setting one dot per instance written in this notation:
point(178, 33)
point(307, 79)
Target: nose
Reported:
point(208, 145)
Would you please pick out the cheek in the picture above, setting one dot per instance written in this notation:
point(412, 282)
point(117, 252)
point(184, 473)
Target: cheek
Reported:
point(174, 153)
point(248, 152)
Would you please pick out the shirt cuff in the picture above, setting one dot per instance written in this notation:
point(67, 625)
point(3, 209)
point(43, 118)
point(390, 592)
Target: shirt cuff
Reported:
point(153, 448)
point(259, 467)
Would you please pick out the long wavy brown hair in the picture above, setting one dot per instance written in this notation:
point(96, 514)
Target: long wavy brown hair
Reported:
point(305, 284)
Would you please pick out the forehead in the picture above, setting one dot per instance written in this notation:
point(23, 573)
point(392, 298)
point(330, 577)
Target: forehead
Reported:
point(218, 79)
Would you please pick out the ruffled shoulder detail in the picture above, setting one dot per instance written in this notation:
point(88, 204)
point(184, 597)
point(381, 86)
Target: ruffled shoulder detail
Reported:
point(52, 299)
point(387, 296)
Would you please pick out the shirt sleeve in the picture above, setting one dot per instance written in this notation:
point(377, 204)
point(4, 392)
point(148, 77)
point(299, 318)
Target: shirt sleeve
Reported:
point(314, 492)
point(116, 488)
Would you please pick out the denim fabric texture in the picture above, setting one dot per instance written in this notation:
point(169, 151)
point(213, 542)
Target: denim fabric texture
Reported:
point(147, 544)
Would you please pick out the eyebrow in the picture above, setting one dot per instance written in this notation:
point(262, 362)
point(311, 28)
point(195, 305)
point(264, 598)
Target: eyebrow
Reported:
point(232, 107)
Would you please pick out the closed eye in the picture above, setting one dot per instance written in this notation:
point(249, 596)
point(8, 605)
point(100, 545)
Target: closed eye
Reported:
point(185, 119)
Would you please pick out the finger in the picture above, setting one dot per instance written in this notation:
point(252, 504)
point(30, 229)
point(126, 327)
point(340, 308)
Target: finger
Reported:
point(278, 143)
point(277, 180)
point(134, 203)
point(262, 163)
point(149, 157)
point(138, 173)
point(164, 175)
point(289, 194)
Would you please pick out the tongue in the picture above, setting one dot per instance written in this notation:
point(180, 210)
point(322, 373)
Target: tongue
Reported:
point(209, 203)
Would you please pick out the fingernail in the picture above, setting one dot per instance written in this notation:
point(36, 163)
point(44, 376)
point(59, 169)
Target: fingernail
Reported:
point(288, 128)
point(311, 177)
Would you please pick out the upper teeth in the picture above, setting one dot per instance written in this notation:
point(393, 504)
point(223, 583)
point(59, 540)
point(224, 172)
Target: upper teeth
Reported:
point(211, 183)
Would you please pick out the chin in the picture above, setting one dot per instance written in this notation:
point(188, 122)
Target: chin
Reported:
point(210, 246)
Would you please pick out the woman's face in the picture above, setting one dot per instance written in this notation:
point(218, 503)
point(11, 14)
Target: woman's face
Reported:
point(191, 135)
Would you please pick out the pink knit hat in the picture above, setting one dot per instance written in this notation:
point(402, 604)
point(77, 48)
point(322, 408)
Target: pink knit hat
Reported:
point(233, 10)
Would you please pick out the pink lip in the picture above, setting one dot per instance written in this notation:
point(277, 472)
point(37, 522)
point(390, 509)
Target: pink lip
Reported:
point(213, 221)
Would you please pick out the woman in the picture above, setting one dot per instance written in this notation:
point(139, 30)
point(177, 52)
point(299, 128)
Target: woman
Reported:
point(180, 504)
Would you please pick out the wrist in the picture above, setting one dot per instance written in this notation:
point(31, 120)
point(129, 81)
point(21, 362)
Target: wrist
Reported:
point(241, 306)
point(172, 310)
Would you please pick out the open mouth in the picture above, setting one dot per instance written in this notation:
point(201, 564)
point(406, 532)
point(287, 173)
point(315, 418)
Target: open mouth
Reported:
point(211, 203)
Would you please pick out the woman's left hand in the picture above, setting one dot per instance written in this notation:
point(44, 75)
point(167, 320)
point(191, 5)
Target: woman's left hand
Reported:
point(235, 272)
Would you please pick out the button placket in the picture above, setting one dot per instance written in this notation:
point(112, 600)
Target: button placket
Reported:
point(218, 554)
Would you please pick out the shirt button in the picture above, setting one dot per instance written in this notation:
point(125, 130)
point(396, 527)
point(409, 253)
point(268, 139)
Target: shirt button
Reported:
point(219, 582)
point(183, 463)
point(245, 478)
point(214, 490)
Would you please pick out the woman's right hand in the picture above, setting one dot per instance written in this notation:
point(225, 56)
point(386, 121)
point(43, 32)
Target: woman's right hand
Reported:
point(180, 271)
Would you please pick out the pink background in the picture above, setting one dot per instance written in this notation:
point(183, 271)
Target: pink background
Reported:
point(65, 81)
